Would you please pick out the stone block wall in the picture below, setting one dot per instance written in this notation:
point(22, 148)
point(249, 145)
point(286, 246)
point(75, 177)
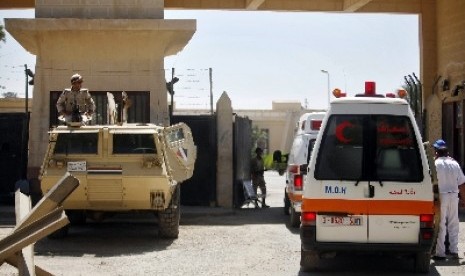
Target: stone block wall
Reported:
point(451, 40)
point(101, 9)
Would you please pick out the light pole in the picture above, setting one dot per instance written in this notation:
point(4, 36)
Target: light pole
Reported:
point(170, 88)
point(327, 73)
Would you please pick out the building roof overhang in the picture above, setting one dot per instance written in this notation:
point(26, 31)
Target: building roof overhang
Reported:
point(395, 6)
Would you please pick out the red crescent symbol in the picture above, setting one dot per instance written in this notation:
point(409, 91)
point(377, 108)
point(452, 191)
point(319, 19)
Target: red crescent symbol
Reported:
point(340, 132)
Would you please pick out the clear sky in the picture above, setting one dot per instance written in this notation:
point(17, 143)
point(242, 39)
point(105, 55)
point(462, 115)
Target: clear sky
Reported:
point(260, 57)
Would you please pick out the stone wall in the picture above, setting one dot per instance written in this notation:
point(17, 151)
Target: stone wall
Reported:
point(451, 40)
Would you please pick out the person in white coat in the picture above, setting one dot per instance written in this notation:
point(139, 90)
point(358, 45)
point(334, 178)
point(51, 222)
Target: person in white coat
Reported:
point(450, 177)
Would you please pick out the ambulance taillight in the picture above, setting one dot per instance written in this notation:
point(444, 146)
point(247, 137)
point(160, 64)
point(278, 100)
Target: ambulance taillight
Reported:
point(427, 235)
point(315, 124)
point(308, 218)
point(426, 228)
point(298, 182)
point(426, 221)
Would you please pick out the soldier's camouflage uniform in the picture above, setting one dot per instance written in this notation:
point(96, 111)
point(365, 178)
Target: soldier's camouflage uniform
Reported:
point(69, 98)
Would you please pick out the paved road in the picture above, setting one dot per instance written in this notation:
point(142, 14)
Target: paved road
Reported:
point(212, 241)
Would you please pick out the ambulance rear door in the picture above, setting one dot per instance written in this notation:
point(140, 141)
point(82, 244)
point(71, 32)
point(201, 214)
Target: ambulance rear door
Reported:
point(337, 192)
point(369, 181)
point(403, 188)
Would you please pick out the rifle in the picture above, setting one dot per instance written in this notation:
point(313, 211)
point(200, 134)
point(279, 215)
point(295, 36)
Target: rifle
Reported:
point(76, 114)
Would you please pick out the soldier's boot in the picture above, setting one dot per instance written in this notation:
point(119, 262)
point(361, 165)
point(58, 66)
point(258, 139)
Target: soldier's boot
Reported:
point(256, 203)
point(264, 204)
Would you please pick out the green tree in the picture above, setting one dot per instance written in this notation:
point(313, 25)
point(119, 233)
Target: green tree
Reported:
point(257, 136)
point(10, 95)
point(259, 139)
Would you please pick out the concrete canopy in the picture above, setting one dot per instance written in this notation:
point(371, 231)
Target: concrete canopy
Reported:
point(112, 34)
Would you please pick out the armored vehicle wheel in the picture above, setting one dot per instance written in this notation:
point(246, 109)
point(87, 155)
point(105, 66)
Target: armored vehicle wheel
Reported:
point(309, 260)
point(76, 217)
point(287, 203)
point(295, 218)
point(60, 233)
point(169, 218)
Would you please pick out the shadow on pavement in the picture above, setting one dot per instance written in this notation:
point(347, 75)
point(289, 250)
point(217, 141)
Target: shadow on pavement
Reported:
point(114, 238)
point(243, 216)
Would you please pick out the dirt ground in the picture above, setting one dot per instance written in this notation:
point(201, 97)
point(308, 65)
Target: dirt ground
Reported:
point(212, 241)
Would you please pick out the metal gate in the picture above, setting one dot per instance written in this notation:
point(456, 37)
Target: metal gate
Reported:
point(200, 189)
point(242, 145)
point(13, 150)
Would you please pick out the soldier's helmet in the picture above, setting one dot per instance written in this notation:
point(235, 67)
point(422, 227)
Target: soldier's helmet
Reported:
point(76, 78)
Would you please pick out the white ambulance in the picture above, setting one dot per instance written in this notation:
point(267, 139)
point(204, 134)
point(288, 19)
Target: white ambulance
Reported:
point(299, 156)
point(368, 186)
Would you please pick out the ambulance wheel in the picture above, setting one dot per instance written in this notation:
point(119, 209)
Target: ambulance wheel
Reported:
point(422, 262)
point(287, 203)
point(168, 219)
point(295, 218)
point(309, 260)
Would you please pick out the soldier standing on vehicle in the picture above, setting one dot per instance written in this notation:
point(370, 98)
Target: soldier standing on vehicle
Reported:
point(450, 177)
point(257, 169)
point(75, 102)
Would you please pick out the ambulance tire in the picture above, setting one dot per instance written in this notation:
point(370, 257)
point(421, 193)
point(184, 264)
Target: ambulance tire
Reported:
point(422, 262)
point(309, 260)
point(168, 223)
point(287, 203)
point(295, 218)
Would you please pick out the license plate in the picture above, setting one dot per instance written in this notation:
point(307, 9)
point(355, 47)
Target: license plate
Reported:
point(78, 166)
point(341, 220)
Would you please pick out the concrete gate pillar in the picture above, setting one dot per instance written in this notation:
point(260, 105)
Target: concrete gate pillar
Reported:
point(115, 45)
point(224, 164)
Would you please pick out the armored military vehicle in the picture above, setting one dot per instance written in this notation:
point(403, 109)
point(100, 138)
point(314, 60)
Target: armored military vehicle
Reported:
point(121, 168)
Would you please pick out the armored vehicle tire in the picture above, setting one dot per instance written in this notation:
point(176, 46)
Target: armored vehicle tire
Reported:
point(287, 203)
point(60, 233)
point(168, 219)
point(309, 260)
point(295, 218)
point(76, 217)
point(422, 262)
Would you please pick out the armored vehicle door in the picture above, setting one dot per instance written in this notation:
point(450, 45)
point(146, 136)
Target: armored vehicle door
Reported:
point(181, 151)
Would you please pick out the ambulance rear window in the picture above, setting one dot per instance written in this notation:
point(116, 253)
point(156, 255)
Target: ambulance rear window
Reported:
point(369, 148)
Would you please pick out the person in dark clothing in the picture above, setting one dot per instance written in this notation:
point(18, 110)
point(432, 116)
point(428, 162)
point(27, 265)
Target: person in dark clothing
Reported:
point(257, 169)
